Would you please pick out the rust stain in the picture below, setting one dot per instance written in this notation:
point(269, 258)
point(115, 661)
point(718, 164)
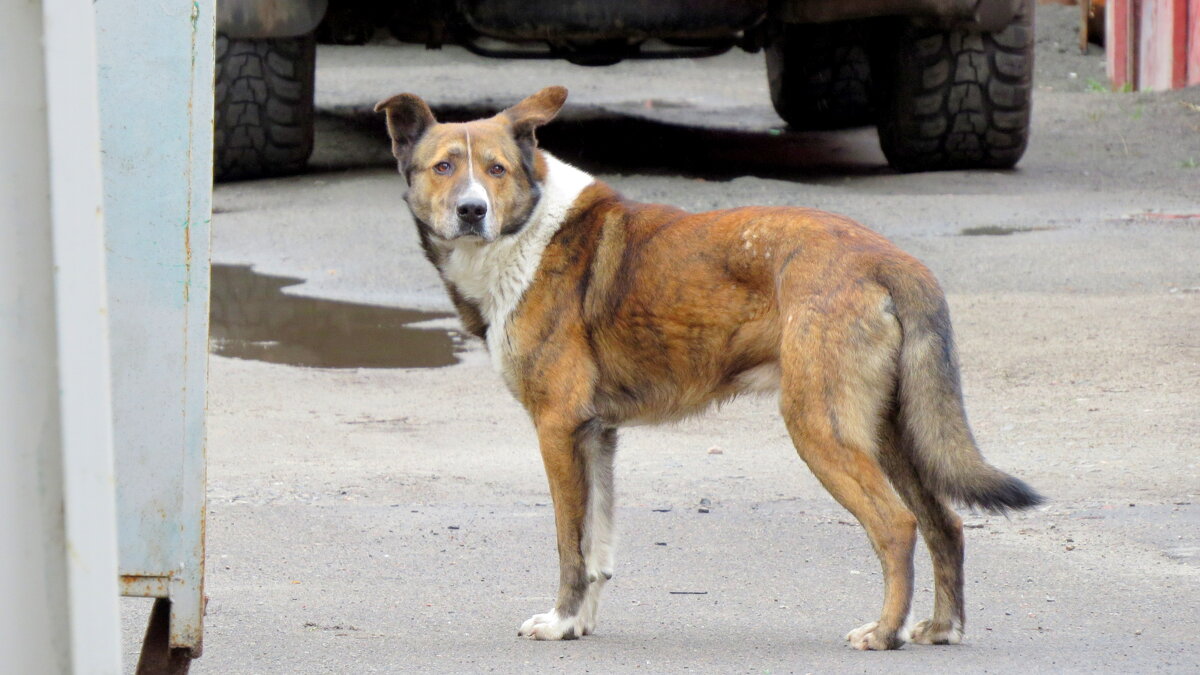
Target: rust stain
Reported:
point(187, 256)
point(137, 585)
point(138, 578)
point(1169, 216)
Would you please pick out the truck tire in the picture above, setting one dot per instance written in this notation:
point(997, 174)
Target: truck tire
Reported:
point(264, 106)
point(820, 75)
point(955, 99)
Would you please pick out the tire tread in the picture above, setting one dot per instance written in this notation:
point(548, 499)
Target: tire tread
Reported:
point(955, 99)
point(264, 106)
point(820, 75)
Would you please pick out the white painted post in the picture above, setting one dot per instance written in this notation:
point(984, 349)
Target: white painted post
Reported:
point(58, 550)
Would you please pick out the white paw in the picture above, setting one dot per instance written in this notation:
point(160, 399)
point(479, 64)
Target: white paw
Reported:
point(926, 633)
point(867, 636)
point(551, 626)
point(857, 637)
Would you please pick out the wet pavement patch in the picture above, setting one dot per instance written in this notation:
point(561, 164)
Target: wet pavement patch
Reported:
point(252, 318)
point(1000, 230)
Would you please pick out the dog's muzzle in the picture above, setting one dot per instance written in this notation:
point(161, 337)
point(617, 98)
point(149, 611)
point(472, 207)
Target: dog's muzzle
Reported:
point(472, 213)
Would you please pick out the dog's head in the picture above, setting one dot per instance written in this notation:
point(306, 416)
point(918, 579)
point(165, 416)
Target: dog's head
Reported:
point(476, 179)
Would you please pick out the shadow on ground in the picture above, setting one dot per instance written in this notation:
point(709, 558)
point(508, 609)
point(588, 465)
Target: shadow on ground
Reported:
point(604, 141)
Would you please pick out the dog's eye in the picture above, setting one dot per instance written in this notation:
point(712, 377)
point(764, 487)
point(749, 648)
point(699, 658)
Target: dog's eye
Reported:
point(497, 170)
point(443, 168)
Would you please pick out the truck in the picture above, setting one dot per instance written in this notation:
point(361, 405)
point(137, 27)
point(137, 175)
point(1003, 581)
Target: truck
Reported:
point(946, 83)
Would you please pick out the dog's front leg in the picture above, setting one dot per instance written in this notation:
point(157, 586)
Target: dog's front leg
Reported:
point(578, 460)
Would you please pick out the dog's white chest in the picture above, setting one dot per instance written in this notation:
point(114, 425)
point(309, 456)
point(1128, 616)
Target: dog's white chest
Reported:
point(495, 275)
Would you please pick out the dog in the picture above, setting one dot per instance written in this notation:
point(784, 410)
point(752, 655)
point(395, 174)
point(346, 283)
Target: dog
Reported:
point(599, 312)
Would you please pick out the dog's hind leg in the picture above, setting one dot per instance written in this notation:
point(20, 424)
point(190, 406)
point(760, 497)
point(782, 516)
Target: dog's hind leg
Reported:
point(856, 481)
point(942, 530)
point(838, 376)
point(578, 461)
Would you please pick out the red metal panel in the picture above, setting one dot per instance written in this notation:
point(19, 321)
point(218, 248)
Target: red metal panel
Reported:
point(1117, 41)
point(1193, 23)
point(1153, 44)
point(1179, 43)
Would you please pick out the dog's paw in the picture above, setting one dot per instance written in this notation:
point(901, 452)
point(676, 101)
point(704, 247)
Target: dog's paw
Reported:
point(868, 636)
point(929, 633)
point(551, 626)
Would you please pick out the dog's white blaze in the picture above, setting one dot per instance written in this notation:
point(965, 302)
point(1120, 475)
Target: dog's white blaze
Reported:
point(496, 274)
point(477, 190)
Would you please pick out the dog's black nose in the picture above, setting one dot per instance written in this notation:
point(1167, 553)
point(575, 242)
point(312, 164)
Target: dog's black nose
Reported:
point(472, 210)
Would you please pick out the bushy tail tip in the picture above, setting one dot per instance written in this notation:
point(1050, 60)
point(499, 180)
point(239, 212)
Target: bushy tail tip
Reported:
point(999, 496)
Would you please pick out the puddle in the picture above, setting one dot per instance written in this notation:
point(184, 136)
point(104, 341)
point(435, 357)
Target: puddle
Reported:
point(1000, 230)
point(251, 318)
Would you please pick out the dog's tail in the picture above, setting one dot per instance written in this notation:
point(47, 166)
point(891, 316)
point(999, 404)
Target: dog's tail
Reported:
point(932, 420)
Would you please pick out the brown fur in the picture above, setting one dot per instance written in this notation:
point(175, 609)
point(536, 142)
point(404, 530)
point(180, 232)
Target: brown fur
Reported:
point(646, 313)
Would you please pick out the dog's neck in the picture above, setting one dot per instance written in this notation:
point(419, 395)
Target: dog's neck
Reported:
point(494, 275)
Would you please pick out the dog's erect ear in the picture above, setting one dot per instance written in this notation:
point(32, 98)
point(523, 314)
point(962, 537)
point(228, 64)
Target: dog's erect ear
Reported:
point(407, 119)
point(535, 111)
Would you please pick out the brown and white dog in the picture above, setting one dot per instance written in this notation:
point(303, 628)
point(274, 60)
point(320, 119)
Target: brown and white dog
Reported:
point(601, 312)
